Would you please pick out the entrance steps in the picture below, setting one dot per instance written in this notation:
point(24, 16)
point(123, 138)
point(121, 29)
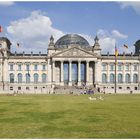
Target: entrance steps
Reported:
point(72, 89)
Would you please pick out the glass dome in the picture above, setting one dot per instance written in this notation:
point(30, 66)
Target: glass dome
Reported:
point(71, 39)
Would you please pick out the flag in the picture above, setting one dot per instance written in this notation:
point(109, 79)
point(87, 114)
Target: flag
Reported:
point(116, 51)
point(125, 46)
point(0, 29)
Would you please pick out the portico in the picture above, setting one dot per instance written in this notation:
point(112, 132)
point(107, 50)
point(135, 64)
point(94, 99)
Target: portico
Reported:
point(73, 72)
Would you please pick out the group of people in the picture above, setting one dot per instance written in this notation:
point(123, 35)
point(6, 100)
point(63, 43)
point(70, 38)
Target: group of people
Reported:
point(87, 91)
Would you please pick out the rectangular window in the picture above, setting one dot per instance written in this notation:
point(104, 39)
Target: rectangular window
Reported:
point(35, 67)
point(127, 67)
point(120, 87)
point(27, 67)
point(19, 67)
point(135, 67)
point(11, 67)
point(11, 88)
point(119, 67)
point(27, 88)
point(19, 88)
point(111, 67)
point(43, 67)
point(104, 67)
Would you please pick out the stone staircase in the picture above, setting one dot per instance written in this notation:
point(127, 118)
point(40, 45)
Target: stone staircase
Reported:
point(72, 89)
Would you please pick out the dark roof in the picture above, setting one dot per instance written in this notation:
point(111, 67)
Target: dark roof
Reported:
point(6, 40)
point(137, 43)
point(71, 39)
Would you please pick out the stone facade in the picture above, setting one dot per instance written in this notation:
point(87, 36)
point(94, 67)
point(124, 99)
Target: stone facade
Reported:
point(41, 73)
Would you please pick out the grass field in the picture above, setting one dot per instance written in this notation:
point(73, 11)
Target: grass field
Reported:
point(69, 116)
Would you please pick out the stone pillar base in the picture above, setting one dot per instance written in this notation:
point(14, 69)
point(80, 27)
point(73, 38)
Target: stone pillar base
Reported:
point(90, 83)
point(70, 83)
point(87, 84)
point(79, 83)
point(49, 83)
point(62, 83)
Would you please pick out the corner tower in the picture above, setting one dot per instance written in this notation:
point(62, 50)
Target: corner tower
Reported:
point(5, 46)
point(137, 47)
point(96, 46)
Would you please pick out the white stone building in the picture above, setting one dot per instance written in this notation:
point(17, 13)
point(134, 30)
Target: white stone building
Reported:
point(70, 62)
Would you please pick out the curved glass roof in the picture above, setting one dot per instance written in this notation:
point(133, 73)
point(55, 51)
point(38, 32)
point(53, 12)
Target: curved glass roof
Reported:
point(71, 39)
point(137, 43)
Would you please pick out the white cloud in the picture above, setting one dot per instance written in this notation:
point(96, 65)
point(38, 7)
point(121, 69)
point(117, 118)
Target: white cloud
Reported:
point(6, 3)
point(33, 32)
point(107, 40)
point(117, 34)
point(135, 5)
point(107, 44)
point(102, 33)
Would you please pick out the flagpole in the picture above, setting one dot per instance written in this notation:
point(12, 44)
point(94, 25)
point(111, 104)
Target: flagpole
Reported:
point(115, 89)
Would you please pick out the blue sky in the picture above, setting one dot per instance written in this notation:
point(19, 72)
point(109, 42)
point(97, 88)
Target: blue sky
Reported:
point(32, 23)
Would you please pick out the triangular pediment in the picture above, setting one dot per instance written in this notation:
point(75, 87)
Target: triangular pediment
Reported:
point(74, 52)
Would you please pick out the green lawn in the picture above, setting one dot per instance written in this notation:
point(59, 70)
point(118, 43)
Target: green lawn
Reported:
point(69, 116)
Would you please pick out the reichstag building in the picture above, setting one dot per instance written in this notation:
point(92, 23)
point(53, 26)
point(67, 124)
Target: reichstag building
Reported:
point(70, 63)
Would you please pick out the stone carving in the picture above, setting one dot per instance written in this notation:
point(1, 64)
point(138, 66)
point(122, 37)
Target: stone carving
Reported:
point(75, 52)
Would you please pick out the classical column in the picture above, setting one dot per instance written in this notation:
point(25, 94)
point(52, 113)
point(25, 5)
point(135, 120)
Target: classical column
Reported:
point(62, 73)
point(49, 69)
point(131, 72)
point(79, 73)
point(5, 73)
point(123, 72)
point(3, 78)
point(70, 73)
point(87, 72)
point(53, 71)
point(96, 72)
point(108, 74)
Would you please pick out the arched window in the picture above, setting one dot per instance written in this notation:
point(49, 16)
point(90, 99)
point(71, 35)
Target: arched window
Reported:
point(127, 78)
point(11, 78)
point(27, 78)
point(44, 78)
point(104, 78)
point(112, 80)
point(19, 78)
point(135, 78)
point(120, 78)
point(35, 78)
